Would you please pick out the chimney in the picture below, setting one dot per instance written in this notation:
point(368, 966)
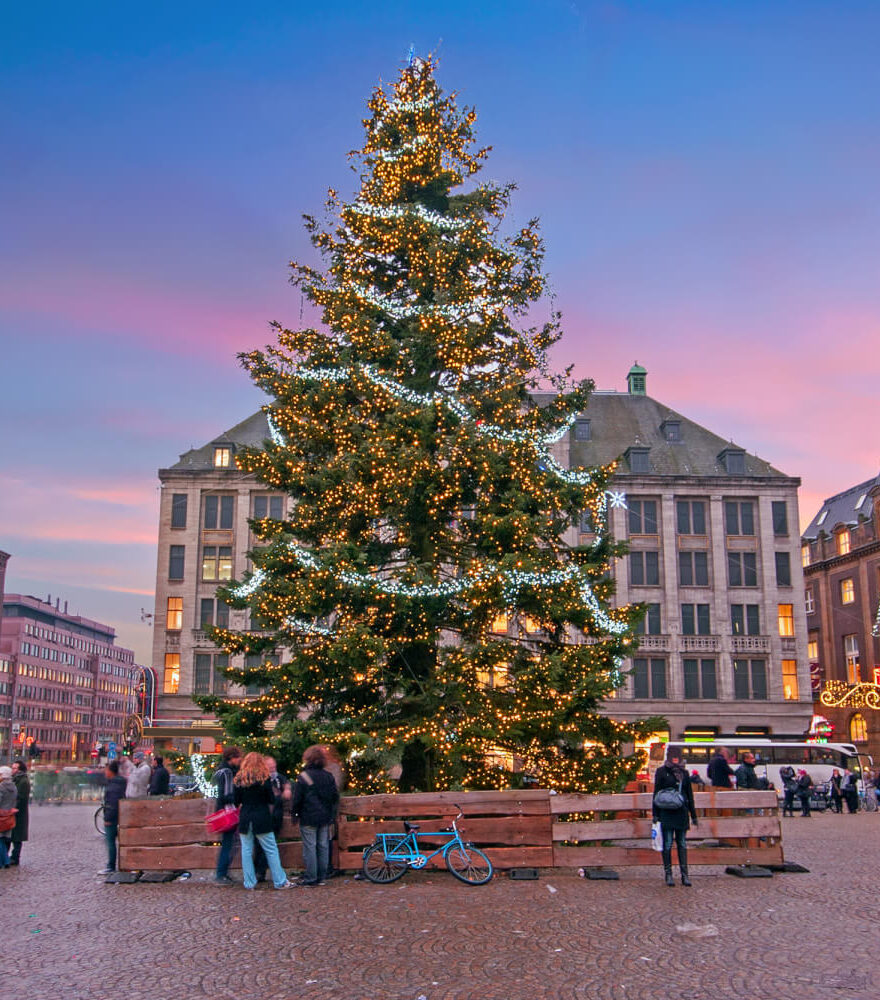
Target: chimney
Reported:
point(57, 603)
point(636, 380)
point(65, 607)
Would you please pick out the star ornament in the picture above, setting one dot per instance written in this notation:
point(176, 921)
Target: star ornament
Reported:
point(617, 499)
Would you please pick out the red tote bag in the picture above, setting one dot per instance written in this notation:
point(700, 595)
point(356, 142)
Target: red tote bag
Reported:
point(223, 820)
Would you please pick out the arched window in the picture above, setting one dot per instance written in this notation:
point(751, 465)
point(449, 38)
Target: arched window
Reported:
point(858, 729)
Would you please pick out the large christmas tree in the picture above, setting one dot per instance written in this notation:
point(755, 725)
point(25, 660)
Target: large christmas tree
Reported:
point(419, 607)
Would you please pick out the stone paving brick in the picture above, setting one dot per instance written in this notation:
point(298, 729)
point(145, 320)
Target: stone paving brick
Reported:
point(70, 936)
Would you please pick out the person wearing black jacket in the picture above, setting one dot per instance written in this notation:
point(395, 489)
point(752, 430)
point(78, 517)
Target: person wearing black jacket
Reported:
point(719, 770)
point(281, 791)
point(254, 795)
point(746, 776)
point(223, 779)
point(114, 792)
point(160, 779)
point(315, 796)
point(674, 821)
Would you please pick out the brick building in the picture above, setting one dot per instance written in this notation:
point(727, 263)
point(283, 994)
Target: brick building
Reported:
point(64, 683)
point(841, 559)
point(715, 556)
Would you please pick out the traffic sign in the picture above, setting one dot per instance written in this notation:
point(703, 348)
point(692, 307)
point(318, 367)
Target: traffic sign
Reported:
point(111, 755)
point(16, 728)
point(111, 745)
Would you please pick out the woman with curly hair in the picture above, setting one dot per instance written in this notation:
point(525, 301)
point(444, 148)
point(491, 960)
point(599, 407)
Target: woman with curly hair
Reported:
point(253, 792)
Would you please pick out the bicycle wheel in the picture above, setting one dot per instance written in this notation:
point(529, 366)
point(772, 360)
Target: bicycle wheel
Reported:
point(377, 868)
point(99, 820)
point(468, 864)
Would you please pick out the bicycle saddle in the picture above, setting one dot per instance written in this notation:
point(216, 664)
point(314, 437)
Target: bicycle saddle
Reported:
point(410, 826)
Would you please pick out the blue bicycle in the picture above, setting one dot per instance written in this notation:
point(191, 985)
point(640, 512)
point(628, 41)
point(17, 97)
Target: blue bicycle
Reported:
point(393, 854)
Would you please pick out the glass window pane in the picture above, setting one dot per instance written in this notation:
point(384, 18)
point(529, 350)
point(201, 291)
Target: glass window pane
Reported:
point(640, 679)
point(754, 623)
point(276, 508)
point(652, 569)
point(206, 611)
point(691, 679)
point(658, 678)
point(737, 622)
point(176, 562)
point(707, 671)
point(780, 517)
point(687, 619)
point(226, 509)
point(759, 680)
point(703, 619)
point(682, 511)
point(701, 569)
point(649, 525)
point(224, 563)
point(685, 569)
point(202, 674)
point(260, 507)
point(211, 512)
point(731, 518)
point(178, 510)
point(222, 614)
point(741, 679)
point(747, 518)
point(698, 515)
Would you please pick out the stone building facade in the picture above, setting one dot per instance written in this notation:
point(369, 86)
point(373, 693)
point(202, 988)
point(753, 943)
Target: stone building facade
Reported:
point(841, 560)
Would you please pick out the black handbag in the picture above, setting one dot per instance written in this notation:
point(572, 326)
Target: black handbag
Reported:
point(669, 798)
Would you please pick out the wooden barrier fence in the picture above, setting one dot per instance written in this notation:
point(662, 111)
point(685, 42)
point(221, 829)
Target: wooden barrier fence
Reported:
point(515, 828)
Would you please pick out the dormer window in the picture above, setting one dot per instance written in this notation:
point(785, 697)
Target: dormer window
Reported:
point(222, 456)
point(671, 430)
point(734, 461)
point(638, 459)
point(582, 430)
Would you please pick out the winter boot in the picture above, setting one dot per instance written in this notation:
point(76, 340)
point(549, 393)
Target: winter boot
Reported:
point(683, 867)
point(667, 868)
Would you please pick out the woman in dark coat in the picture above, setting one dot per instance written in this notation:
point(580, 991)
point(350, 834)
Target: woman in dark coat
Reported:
point(256, 797)
point(22, 802)
point(674, 822)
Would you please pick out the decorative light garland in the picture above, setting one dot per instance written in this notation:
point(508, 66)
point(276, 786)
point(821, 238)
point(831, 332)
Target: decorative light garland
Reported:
point(197, 767)
point(428, 215)
point(836, 694)
point(876, 629)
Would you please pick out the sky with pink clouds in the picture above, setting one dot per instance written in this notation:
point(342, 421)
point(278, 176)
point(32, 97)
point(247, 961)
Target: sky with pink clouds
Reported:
point(707, 176)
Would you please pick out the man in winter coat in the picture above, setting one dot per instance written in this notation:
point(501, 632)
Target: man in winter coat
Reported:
point(114, 792)
point(160, 779)
point(138, 784)
point(719, 770)
point(674, 821)
point(225, 796)
point(746, 778)
point(22, 803)
point(314, 803)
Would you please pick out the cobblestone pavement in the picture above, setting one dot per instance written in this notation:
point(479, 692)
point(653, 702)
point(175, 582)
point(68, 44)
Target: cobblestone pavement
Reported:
point(70, 936)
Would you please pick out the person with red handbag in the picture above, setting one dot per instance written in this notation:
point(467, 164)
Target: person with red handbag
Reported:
point(8, 796)
point(255, 795)
point(224, 779)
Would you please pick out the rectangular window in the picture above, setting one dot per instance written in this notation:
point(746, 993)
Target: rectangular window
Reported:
point(789, 680)
point(699, 679)
point(693, 569)
point(750, 680)
point(780, 517)
point(742, 569)
point(221, 682)
point(843, 542)
point(174, 614)
point(851, 653)
point(172, 673)
point(269, 506)
point(176, 562)
point(813, 647)
point(219, 511)
point(178, 510)
point(582, 430)
point(649, 678)
point(695, 619)
point(809, 601)
point(222, 457)
point(217, 562)
point(586, 525)
point(805, 554)
point(783, 569)
point(209, 562)
point(739, 517)
point(650, 624)
point(786, 620)
point(847, 591)
point(691, 517)
point(639, 460)
point(206, 611)
point(642, 516)
point(644, 569)
point(745, 619)
point(222, 614)
point(202, 674)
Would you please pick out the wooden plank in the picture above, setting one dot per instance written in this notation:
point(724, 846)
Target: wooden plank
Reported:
point(532, 802)
point(162, 811)
point(711, 827)
point(621, 857)
point(501, 858)
point(513, 830)
point(189, 857)
point(156, 836)
point(714, 798)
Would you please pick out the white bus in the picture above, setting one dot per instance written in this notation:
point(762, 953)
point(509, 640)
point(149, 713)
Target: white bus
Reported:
point(817, 759)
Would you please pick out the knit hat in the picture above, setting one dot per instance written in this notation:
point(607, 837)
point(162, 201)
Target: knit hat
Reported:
point(137, 755)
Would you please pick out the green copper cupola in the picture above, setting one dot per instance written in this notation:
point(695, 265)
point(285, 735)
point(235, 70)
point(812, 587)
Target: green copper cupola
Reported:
point(636, 380)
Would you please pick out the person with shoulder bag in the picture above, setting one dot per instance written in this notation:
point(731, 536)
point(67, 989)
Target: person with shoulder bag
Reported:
point(8, 810)
point(23, 789)
point(673, 805)
point(224, 779)
point(315, 796)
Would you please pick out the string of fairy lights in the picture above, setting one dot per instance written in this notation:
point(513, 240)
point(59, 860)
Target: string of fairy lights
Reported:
point(876, 629)
point(426, 285)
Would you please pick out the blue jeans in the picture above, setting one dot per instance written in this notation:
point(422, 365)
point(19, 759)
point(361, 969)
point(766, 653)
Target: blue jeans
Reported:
point(316, 851)
point(224, 857)
point(270, 849)
point(678, 836)
point(110, 832)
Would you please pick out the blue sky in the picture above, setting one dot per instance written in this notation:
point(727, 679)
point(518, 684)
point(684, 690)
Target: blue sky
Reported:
point(706, 174)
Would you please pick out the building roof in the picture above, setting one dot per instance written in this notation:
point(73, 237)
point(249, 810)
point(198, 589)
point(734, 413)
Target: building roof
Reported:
point(846, 508)
point(620, 421)
point(251, 432)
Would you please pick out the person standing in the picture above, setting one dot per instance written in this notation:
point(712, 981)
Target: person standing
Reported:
point(314, 803)
point(804, 789)
point(253, 792)
point(22, 803)
point(850, 789)
point(719, 770)
point(114, 792)
point(834, 788)
point(746, 777)
point(224, 779)
point(282, 794)
point(8, 797)
point(789, 788)
point(138, 784)
point(674, 821)
point(160, 779)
